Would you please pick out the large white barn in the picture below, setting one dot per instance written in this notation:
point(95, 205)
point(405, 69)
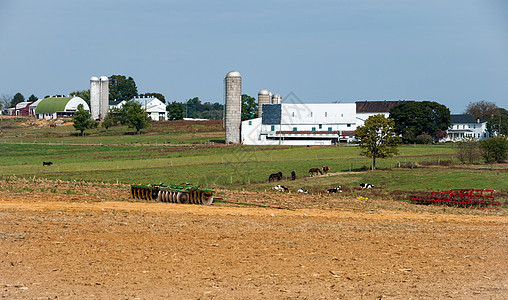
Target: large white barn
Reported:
point(301, 124)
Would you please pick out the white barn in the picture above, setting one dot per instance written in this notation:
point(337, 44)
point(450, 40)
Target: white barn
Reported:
point(155, 108)
point(301, 124)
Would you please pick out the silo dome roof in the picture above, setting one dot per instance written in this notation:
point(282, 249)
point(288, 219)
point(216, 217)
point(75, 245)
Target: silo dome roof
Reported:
point(104, 78)
point(264, 92)
point(93, 78)
point(276, 96)
point(234, 74)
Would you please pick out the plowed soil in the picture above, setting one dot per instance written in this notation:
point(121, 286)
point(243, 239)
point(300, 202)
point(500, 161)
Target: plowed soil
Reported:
point(82, 241)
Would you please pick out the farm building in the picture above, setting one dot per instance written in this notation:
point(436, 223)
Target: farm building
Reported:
point(155, 108)
point(366, 109)
point(301, 124)
point(466, 127)
point(58, 107)
point(20, 109)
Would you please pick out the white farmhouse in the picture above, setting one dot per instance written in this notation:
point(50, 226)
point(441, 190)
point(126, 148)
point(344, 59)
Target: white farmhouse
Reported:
point(466, 127)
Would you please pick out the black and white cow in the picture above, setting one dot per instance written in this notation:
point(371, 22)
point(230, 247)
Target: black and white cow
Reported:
point(280, 188)
point(335, 190)
point(303, 191)
point(366, 185)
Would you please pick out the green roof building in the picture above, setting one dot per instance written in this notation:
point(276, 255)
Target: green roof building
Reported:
point(59, 107)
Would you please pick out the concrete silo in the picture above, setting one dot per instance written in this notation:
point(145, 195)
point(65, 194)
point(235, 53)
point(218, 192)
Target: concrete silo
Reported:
point(104, 99)
point(95, 97)
point(263, 98)
point(233, 116)
point(276, 99)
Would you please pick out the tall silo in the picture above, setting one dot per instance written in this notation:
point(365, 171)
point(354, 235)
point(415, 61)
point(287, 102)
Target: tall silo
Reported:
point(104, 102)
point(233, 106)
point(95, 97)
point(276, 99)
point(263, 98)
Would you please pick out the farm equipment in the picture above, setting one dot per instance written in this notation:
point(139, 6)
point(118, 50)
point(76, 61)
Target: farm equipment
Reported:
point(172, 193)
point(460, 198)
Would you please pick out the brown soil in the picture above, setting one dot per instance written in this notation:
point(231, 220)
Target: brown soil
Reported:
point(84, 240)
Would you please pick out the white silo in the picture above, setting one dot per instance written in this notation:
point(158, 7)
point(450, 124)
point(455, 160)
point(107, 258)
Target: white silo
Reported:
point(233, 106)
point(263, 98)
point(104, 99)
point(276, 99)
point(95, 97)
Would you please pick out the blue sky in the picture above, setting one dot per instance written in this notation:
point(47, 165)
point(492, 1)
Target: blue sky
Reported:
point(453, 52)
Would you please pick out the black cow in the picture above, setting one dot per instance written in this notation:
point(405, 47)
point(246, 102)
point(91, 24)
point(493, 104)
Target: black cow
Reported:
point(293, 175)
point(46, 163)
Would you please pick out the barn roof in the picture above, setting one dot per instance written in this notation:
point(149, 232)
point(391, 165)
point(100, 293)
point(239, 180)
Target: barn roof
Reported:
point(376, 106)
point(52, 105)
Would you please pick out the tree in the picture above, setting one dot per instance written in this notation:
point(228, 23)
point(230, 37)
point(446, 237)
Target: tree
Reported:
point(122, 88)
point(377, 138)
point(111, 118)
point(155, 95)
point(249, 107)
point(482, 110)
point(415, 118)
point(5, 101)
point(175, 111)
point(468, 151)
point(82, 120)
point(84, 94)
point(18, 98)
point(136, 117)
point(494, 149)
point(32, 98)
point(498, 124)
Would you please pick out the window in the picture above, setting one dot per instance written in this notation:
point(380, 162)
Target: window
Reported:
point(250, 122)
point(313, 128)
point(295, 129)
point(326, 114)
point(320, 126)
point(341, 115)
point(329, 128)
point(272, 128)
point(311, 114)
point(348, 125)
point(293, 114)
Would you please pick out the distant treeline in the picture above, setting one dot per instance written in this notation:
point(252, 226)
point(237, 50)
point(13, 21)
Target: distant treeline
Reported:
point(193, 108)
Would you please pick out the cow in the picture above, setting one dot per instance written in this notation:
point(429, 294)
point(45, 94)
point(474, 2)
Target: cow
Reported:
point(316, 171)
point(293, 175)
point(303, 191)
point(274, 176)
point(325, 169)
point(281, 188)
point(335, 190)
point(366, 185)
point(46, 163)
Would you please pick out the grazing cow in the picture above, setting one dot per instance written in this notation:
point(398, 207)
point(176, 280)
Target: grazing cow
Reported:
point(335, 190)
point(46, 163)
point(281, 188)
point(316, 171)
point(303, 191)
point(293, 175)
point(325, 169)
point(274, 176)
point(366, 185)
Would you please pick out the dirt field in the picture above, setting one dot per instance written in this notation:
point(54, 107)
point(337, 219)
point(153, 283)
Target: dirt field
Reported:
point(69, 240)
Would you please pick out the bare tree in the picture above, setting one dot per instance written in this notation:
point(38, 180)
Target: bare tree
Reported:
point(482, 110)
point(5, 101)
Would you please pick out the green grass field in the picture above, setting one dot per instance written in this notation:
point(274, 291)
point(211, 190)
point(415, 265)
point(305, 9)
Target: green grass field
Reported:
point(192, 152)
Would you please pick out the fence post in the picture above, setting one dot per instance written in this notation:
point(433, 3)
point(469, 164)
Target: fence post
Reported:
point(231, 179)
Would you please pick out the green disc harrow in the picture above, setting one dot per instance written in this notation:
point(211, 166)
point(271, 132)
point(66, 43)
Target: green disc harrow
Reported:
point(172, 193)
